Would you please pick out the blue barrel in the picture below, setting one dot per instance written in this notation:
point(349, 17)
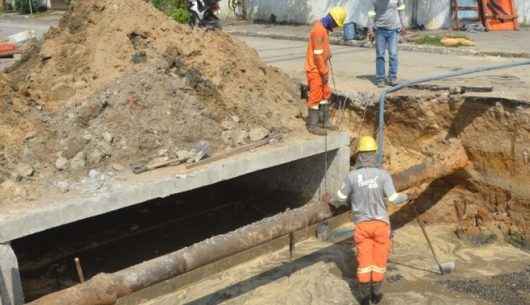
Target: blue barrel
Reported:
point(349, 31)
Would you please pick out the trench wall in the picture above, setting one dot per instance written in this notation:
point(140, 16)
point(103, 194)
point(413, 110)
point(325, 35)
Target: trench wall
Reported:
point(493, 195)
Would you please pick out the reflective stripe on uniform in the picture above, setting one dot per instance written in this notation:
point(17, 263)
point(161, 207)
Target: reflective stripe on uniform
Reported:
point(364, 270)
point(324, 102)
point(378, 269)
point(401, 7)
point(318, 52)
point(371, 14)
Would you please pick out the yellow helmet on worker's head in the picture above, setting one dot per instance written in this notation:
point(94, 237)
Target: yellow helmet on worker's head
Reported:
point(338, 13)
point(366, 144)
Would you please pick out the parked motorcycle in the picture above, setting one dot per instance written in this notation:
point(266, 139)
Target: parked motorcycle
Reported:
point(204, 13)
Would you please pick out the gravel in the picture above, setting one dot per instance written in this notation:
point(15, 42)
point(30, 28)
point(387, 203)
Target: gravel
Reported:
point(504, 289)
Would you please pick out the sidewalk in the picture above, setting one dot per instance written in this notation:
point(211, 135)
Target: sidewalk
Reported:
point(503, 44)
point(12, 23)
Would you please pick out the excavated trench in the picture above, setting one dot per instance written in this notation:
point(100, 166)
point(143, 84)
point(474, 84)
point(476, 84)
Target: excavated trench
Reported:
point(490, 200)
point(127, 237)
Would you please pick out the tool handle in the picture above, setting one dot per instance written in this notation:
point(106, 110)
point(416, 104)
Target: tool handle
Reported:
point(420, 223)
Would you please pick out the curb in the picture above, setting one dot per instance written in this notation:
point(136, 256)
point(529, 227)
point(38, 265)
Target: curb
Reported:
point(403, 46)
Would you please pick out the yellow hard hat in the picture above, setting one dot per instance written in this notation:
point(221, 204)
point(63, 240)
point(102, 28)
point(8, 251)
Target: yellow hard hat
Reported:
point(338, 13)
point(366, 143)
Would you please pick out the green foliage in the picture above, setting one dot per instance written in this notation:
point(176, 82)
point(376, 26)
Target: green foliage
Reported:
point(181, 15)
point(436, 40)
point(23, 6)
point(169, 6)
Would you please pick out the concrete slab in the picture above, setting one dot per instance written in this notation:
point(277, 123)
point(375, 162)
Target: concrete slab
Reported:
point(17, 222)
point(10, 285)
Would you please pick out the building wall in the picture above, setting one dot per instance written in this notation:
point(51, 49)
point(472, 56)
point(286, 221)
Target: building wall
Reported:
point(434, 14)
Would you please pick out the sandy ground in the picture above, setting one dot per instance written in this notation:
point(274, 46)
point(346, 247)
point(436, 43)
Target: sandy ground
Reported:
point(322, 273)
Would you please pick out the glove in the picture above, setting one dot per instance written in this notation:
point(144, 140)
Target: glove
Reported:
point(325, 79)
point(370, 36)
point(400, 198)
point(327, 198)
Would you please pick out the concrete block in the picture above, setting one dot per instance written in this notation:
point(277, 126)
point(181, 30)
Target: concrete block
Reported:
point(10, 284)
point(135, 189)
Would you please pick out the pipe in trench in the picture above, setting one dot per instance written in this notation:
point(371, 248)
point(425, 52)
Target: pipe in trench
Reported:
point(105, 289)
point(382, 97)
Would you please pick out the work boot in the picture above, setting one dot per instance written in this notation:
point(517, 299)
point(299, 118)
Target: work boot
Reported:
point(312, 123)
point(325, 117)
point(392, 82)
point(365, 293)
point(377, 295)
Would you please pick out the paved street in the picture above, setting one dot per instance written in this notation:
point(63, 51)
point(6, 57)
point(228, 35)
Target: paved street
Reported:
point(354, 67)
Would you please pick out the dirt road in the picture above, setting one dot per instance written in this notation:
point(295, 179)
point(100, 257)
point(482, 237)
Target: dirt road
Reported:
point(322, 273)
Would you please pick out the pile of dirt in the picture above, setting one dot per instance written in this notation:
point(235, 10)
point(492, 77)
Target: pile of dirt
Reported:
point(118, 81)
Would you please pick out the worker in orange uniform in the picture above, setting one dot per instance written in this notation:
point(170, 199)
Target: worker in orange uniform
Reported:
point(317, 70)
point(367, 186)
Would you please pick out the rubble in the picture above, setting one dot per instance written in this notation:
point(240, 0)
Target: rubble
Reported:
point(257, 134)
point(97, 107)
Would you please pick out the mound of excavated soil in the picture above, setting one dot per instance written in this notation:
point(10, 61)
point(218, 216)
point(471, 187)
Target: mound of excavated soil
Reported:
point(118, 81)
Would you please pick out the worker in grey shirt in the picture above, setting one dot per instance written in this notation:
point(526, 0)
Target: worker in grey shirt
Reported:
point(367, 186)
point(387, 21)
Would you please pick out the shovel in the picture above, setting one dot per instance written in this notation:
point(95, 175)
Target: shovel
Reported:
point(444, 268)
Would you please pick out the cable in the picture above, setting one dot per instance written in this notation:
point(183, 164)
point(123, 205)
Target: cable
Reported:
point(382, 97)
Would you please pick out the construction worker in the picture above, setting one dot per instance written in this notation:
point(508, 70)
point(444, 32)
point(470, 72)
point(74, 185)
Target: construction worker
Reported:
point(367, 186)
point(317, 70)
point(387, 20)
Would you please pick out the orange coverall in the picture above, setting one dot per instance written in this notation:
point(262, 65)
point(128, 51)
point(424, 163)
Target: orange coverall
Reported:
point(372, 239)
point(316, 65)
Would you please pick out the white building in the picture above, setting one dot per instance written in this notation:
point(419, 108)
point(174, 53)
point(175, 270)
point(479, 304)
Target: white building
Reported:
point(51, 4)
point(433, 14)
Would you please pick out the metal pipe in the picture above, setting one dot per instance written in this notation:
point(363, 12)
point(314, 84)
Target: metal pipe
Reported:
point(105, 289)
point(382, 97)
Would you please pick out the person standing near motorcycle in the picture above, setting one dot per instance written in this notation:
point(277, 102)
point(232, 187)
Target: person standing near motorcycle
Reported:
point(204, 13)
point(317, 70)
point(387, 21)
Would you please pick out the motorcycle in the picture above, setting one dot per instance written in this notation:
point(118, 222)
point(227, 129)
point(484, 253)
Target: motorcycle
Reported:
point(204, 13)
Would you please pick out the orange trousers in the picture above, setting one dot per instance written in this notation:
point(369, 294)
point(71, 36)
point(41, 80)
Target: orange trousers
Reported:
point(372, 240)
point(318, 91)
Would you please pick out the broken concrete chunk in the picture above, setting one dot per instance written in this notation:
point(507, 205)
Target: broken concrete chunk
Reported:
point(108, 137)
point(95, 157)
point(79, 161)
point(258, 133)
point(24, 171)
point(200, 151)
point(183, 155)
point(239, 137)
point(61, 163)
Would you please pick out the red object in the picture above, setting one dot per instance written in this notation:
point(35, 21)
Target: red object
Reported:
point(316, 65)
point(499, 15)
point(372, 239)
point(7, 49)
